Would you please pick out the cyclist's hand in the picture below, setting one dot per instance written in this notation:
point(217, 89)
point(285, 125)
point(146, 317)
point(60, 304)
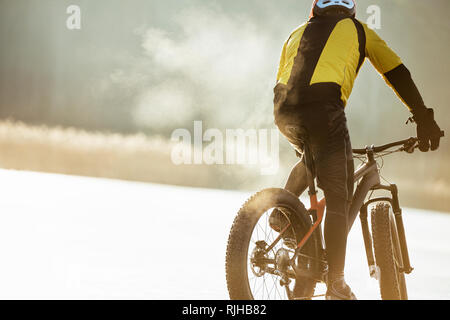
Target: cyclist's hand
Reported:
point(428, 132)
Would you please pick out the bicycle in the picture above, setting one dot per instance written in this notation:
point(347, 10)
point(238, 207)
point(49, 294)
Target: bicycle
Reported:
point(296, 265)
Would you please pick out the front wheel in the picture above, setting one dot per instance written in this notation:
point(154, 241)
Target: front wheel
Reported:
point(257, 265)
point(388, 254)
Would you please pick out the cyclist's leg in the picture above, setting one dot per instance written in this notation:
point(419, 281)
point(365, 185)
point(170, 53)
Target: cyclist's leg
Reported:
point(296, 182)
point(292, 122)
point(325, 126)
point(334, 174)
point(289, 122)
point(334, 165)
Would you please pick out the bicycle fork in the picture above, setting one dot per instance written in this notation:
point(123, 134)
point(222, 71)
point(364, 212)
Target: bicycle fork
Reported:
point(394, 201)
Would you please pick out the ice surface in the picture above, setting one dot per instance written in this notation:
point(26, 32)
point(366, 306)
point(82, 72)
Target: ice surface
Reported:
point(66, 237)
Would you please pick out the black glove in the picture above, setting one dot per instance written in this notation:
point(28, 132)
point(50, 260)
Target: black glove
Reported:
point(428, 132)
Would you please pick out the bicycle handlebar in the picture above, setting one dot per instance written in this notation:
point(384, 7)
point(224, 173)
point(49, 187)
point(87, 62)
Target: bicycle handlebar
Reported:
point(407, 143)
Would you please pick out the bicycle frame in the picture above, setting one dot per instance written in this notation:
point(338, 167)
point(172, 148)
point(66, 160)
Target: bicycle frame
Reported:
point(369, 179)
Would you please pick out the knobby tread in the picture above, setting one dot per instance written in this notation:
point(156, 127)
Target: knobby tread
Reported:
point(241, 231)
point(384, 252)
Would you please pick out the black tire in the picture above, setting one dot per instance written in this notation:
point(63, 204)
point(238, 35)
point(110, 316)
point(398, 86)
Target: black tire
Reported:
point(237, 255)
point(388, 253)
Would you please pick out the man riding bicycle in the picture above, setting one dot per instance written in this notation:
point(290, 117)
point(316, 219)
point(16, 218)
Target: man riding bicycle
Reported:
point(319, 63)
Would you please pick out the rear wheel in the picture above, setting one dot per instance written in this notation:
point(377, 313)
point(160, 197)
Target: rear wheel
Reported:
point(253, 271)
point(388, 254)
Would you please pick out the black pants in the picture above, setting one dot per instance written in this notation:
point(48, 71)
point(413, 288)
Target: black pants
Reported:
point(324, 128)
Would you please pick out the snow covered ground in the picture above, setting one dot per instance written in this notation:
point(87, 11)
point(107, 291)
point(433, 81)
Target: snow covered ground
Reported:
point(66, 237)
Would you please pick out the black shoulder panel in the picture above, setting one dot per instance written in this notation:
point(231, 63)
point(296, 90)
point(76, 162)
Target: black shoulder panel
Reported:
point(362, 43)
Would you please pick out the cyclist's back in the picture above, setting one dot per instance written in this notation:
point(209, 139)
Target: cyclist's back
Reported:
point(321, 59)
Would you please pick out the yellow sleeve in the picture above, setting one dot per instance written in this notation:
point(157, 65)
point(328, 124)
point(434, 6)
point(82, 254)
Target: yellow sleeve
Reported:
point(282, 61)
point(383, 58)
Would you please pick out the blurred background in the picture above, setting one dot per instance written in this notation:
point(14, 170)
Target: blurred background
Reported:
point(104, 100)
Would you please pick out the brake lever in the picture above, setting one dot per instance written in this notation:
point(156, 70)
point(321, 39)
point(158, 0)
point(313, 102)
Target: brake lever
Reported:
point(410, 145)
point(411, 148)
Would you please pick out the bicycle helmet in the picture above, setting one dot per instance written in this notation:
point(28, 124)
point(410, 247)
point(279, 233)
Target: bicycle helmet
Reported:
point(329, 7)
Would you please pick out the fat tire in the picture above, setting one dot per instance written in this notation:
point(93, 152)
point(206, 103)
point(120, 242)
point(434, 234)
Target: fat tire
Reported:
point(240, 236)
point(387, 251)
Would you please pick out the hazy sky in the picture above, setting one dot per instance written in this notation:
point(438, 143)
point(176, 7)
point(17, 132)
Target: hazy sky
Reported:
point(158, 65)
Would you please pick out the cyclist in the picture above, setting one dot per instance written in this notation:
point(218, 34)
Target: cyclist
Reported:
point(319, 63)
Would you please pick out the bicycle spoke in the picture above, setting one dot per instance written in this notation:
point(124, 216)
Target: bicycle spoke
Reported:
point(265, 285)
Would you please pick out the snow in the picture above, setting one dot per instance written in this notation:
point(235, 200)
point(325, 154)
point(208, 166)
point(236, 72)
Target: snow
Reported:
point(68, 237)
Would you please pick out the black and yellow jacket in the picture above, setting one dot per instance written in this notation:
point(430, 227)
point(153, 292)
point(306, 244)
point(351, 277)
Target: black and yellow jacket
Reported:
point(321, 59)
